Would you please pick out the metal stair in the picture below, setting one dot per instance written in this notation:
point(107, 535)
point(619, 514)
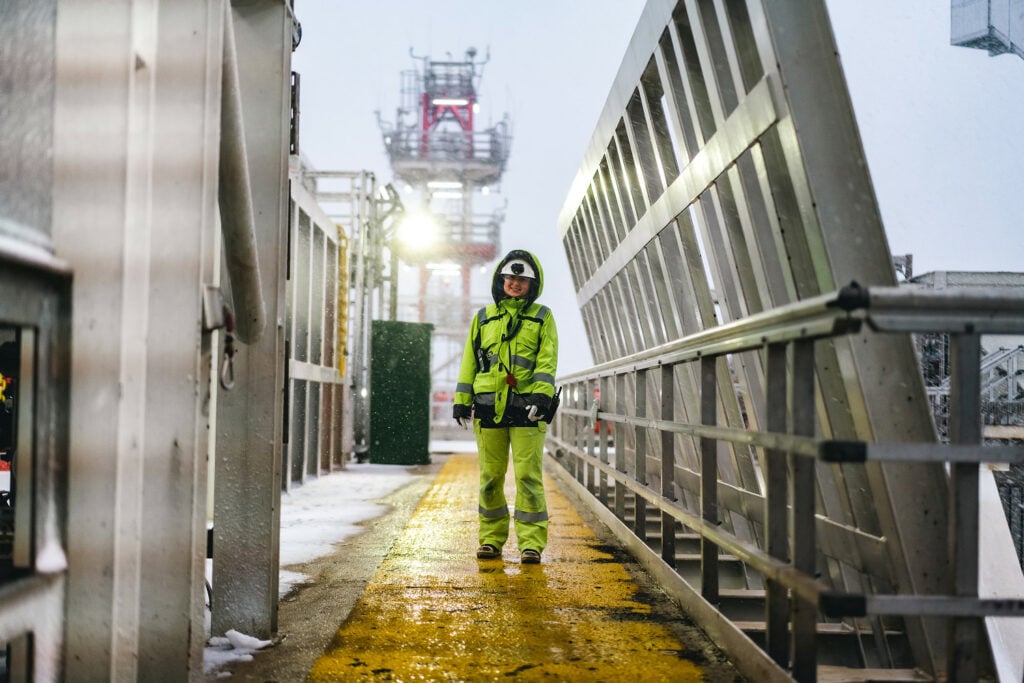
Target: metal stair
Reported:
point(848, 650)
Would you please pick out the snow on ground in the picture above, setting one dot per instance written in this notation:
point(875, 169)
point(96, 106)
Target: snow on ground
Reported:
point(328, 510)
point(314, 517)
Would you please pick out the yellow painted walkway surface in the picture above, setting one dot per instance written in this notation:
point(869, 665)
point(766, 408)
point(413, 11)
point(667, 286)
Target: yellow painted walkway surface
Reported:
point(434, 612)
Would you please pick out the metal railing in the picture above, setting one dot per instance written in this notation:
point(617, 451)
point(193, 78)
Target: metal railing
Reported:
point(793, 538)
point(487, 146)
point(319, 402)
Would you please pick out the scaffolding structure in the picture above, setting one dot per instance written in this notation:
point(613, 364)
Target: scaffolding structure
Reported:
point(352, 200)
point(1001, 386)
point(449, 170)
point(1002, 367)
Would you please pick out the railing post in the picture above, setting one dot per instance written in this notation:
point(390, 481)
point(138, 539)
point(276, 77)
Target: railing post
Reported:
point(964, 428)
point(591, 471)
point(709, 477)
point(640, 456)
point(578, 434)
point(805, 617)
point(620, 445)
point(776, 508)
point(668, 522)
point(602, 447)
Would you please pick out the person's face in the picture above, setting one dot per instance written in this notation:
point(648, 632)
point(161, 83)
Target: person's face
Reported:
point(516, 286)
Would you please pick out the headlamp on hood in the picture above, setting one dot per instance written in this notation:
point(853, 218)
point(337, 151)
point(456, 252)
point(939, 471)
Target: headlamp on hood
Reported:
point(519, 268)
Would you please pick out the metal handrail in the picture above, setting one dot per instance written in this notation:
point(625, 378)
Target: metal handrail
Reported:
point(788, 564)
point(238, 223)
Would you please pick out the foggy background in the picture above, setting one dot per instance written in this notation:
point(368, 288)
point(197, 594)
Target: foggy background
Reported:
point(941, 125)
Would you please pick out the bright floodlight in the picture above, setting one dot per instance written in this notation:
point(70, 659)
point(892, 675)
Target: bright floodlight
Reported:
point(417, 231)
point(449, 102)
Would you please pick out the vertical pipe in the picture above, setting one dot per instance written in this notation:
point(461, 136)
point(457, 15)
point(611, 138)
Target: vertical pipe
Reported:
point(467, 314)
point(709, 477)
point(776, 509)
point(469, 127)
point(425, 107)
point(424, 281)
point(393, 285)
point(238, 221)
point(361, 320)
point(805, 651)
point(467, 238)
point(964, 428)
point(668, 465)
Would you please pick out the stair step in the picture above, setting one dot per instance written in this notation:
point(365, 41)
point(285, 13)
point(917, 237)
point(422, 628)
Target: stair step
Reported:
point(842, 674)
point(696, 558)
point(823, 629)
point(741, 604)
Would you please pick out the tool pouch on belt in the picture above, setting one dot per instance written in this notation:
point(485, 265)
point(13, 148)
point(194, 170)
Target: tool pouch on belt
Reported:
point(515, 411)
point(483, 409)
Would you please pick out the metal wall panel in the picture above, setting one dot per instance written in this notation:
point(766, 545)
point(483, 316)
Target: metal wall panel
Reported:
point(249, 428)
point(135, 169)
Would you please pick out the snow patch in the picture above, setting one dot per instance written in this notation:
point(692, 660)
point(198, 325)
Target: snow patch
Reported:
point(314, 518)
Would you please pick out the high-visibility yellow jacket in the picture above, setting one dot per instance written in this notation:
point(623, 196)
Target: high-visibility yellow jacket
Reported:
point(511, 351)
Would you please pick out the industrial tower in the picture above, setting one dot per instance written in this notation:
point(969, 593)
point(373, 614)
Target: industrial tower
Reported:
point(447, 171)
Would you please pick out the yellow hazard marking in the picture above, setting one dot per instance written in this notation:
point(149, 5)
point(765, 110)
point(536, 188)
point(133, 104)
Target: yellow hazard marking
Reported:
point(434, 612)
point(3, 387)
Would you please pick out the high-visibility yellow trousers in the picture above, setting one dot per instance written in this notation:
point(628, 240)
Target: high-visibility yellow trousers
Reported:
point(531, 511)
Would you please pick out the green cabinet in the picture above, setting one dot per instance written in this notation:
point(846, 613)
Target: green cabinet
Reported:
point(400, 392)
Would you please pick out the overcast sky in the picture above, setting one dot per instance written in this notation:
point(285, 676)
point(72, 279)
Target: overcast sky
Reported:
point(942, 126)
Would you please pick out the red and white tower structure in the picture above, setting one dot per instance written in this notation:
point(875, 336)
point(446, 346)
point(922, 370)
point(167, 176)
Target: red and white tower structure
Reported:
point(448, 170)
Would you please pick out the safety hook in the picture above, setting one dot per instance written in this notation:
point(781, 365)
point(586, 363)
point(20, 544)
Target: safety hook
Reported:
point(227, 366)
point(227, 371)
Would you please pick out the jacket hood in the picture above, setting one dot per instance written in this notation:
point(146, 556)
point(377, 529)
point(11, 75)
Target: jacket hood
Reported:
point(498, 282)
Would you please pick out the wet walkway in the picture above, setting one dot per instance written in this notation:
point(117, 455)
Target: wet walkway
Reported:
point(433, 612)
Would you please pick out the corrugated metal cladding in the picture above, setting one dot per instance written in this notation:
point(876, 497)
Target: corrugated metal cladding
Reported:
point(726, 178)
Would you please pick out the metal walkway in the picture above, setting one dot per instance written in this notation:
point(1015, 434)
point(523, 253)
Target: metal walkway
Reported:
point(435, 612)
point(758, 399)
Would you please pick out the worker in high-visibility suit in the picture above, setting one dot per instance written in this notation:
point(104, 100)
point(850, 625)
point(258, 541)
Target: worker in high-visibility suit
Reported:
point(505, 388)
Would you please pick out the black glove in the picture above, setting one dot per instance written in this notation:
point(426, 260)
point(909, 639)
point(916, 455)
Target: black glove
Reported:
point(462, 414)
point(537, 406)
